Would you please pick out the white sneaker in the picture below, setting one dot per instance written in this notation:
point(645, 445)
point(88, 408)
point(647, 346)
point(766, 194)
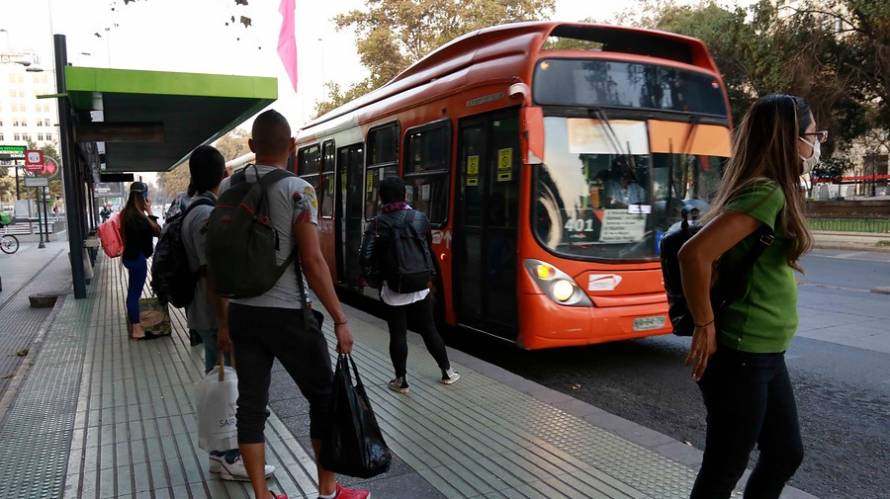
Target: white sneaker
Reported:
point(449, 377)
point(400, 385)
point(235, 470)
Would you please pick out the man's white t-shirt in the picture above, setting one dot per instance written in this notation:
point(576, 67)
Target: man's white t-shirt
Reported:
point(291, 200)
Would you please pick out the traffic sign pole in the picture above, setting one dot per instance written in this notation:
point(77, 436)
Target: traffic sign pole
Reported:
point(37, 192)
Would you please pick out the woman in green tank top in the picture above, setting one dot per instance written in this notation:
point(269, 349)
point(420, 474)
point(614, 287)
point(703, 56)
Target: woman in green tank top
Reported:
point(738, 355)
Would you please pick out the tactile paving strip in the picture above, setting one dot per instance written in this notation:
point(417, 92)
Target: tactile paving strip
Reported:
point(101, 416)
point(481, 438)
point(36, 433)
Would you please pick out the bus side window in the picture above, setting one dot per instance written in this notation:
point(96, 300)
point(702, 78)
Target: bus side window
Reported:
point(326, 193)
point(383, 161)
point(427, 163)
point(309, 168)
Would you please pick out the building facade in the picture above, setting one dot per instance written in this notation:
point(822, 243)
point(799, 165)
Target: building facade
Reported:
point(24, 117)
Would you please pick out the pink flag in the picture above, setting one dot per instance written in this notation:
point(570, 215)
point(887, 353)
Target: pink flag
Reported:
point(287, 42)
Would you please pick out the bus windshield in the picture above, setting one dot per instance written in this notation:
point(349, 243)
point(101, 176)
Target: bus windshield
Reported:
point(604, 83)
point(595, 202)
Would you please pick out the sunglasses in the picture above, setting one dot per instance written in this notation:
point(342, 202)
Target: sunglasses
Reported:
point(821, 135)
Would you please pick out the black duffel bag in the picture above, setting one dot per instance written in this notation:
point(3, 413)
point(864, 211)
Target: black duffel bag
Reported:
point(353, 444)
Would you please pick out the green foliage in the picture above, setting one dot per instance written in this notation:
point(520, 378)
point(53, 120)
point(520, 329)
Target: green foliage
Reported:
point(835, 53)
point(233, 144)
point(175, 181)
point(393, 34)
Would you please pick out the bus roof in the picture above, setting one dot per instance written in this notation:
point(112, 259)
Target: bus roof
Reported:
point(528, 39)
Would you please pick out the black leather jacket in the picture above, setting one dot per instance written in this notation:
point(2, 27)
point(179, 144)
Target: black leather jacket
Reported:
point(377, 237)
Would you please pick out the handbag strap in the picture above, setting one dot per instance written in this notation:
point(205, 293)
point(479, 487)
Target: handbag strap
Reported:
point(347, 361)
point(221, 362)
point(301, 288)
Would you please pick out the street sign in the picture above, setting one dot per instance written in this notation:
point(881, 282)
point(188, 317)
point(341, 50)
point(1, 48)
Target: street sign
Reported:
point(34, 161)
point(9, 152)
point(36, 182)
point(50, 167)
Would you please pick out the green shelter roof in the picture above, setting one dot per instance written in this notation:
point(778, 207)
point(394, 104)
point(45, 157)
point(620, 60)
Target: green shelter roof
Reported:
point(192, 109)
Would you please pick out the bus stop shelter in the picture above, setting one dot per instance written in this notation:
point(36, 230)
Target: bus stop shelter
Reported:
point(116, 121)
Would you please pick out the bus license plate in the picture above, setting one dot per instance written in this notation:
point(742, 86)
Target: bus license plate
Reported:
point(649, 323)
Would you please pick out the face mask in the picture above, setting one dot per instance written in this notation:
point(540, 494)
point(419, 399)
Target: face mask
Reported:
point(813, 160)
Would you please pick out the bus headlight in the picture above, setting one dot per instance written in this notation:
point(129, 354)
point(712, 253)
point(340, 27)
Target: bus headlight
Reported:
point(562, 290)
point(556, 284)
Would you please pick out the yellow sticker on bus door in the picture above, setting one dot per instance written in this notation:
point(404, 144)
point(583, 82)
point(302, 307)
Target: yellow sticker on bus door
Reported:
point(473, 170)
point(505, 164)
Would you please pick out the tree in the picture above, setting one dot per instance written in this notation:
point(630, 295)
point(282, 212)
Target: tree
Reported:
point(763, 49)
point(174, 181)
point(393, 34)
point(233, 144)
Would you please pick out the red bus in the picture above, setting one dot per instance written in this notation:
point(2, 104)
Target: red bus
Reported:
point(550, 159)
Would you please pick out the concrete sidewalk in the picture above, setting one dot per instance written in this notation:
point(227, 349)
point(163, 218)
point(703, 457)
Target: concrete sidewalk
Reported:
point(101, 416)
point(852, 240)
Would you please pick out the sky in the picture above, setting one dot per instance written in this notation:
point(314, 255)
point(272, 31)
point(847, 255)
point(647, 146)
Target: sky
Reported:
point(193, 36)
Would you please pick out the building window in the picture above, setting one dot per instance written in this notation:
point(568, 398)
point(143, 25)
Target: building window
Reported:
point(40, 137)
point(427, 160)
point(383, 161)
point(17, 137)
point(2, 138)
point(328, 180)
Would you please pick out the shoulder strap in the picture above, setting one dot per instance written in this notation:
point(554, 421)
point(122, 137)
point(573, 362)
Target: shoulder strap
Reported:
point(271, 178)
point(301, 288)
point(198, 202)
point(239, 177)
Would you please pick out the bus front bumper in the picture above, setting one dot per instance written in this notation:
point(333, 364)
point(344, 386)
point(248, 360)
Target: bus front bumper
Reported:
point(545, 324)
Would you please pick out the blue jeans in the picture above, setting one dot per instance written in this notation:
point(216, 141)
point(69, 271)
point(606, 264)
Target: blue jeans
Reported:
point(137, 270)
point(211, 354)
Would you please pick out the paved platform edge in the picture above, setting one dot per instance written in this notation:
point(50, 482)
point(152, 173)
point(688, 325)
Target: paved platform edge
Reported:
point(21, 373)
point(659, 443)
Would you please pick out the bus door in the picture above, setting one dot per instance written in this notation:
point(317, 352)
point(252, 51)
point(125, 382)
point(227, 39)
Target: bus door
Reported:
point(486, 223)
point(350, 163)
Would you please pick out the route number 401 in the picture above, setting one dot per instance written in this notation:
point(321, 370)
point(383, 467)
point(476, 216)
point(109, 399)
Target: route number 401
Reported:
point(579, 225)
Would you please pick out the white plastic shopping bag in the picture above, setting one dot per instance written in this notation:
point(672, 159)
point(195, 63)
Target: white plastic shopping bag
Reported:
point(217, 397)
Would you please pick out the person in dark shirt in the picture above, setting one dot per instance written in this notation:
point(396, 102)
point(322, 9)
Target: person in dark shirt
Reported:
point(138, 229)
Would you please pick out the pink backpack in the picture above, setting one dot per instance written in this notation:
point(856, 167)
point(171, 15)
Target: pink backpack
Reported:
point(110, 235)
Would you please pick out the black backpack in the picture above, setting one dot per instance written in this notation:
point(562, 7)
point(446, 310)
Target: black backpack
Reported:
point(242, 244)
point(171, 277)
point(408, 266)
point(724, 291)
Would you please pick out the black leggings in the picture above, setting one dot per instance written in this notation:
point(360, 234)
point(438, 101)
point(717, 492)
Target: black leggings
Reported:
point(262, 334)
point(749, 400)
point(420, 313)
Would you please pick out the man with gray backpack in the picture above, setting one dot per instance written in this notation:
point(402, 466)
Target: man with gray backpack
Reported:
point(262, 236)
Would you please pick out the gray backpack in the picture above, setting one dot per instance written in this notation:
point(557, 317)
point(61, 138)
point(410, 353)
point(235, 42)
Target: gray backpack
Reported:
point(242, 244)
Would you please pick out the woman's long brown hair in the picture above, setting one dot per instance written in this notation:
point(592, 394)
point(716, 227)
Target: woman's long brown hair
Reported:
point(132, 209)
point(765, 147)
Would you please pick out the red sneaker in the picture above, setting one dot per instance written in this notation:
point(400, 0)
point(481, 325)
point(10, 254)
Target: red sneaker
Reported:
point(346, 493)
point(277, 496)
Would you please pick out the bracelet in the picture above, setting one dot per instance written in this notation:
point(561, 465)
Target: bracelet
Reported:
point(705, 324)
point(341, 323)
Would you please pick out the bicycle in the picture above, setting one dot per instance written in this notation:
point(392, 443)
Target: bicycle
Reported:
point(9, 244)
